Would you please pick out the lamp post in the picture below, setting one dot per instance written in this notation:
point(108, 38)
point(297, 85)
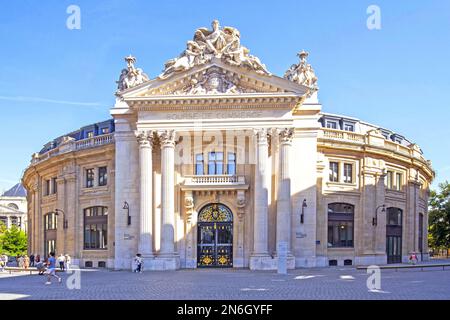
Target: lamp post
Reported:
point(302, 216)
point(126, 206)
point(65, 223)
point(375, 219)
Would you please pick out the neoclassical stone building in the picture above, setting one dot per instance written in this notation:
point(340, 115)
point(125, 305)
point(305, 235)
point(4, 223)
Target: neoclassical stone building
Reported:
point(219, 163)
point(13, 207)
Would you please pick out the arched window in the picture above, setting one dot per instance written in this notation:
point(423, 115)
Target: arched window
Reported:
point(340, 225)
point(215, 213)
point(96, 228)
point(394, 216)
point(13, 206)
point(4, 220)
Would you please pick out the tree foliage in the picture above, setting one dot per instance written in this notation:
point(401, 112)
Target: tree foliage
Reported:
point(439, 217)
point(13, 241)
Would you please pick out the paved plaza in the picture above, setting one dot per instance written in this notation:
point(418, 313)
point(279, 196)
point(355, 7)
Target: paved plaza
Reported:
point(221, 284)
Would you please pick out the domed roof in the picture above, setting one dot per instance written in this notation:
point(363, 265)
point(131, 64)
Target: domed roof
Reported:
point(17, 191)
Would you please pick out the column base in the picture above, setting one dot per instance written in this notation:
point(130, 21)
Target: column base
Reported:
point(164, 263)
point(267, 262)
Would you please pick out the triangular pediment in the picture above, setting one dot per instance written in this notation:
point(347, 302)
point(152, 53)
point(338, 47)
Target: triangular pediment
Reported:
point(215, 78)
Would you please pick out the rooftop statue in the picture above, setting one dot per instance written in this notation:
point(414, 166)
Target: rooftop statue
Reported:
point(220, 43)
point(131, 76)
point(302, 73)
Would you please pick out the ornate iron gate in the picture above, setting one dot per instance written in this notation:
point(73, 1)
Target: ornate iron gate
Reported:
point(215, 236)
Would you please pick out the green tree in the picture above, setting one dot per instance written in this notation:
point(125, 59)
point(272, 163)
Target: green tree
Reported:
point(2, 231)
point(13, 241)
point(439, 217)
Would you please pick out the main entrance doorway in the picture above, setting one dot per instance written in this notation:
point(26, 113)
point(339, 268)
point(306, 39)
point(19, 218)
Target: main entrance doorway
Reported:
point(215, 236)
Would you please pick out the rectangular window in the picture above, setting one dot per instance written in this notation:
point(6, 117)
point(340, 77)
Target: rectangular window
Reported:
point(334, 172)
point(212, 163)
point(340, 234)
point(389, 180)
point(102, 176)
point(90, 134)
point(96, 236)
point(348, 173)
point(349, 127)
point(89, 178)
point(105, 130)
point(231, 164)
point(50, 221)
point(398, 181)
point(219, 163)
point(47, 187)
point(199, 165)
point(332, 125)
point(54, 185)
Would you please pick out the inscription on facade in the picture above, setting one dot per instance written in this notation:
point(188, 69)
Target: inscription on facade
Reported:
point(213, 115)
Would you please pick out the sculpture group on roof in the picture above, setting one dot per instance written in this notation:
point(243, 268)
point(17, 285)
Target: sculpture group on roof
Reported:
point(131, 76)
point(220, 43)
point(302, 72)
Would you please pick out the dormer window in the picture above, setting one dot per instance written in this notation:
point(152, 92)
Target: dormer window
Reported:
point(349, 127)
point(331, 124)
point(90, 134)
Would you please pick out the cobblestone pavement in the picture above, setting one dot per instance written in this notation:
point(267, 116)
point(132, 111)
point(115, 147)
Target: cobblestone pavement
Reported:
point(222, 284)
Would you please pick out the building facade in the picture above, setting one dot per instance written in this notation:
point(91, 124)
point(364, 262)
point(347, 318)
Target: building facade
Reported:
point(13, 207)
point(217, 162)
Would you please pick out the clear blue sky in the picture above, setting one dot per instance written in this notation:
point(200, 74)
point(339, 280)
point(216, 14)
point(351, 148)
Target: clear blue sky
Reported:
point(54, 80)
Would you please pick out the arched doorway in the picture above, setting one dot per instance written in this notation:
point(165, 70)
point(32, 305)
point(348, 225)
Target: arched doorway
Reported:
point(215, 236)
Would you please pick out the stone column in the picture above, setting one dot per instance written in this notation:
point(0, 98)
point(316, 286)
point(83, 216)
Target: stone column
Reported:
point(145, 245)
point(167, 141)
point(284, 191)
point(261, 207)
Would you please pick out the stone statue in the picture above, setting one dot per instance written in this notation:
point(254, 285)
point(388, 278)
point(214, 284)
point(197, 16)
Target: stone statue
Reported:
point(213, 81)
point(302, 73)
point(219, 43)
point(131, 77)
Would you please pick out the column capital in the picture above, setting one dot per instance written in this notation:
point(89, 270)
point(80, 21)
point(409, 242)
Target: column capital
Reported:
point(286, 135)
point(144, 138)
point(262, 134)
point(167, 138)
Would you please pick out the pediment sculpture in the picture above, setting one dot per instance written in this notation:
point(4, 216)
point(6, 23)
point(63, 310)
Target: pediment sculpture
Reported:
point(220, 43)
point(131, 76)
point(213, 81)
point(302, 73)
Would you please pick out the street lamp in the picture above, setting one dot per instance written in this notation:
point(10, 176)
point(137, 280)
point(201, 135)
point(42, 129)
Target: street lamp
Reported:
point(302, 216)
point(375, 219)
point(126, 206)
point(65, 223)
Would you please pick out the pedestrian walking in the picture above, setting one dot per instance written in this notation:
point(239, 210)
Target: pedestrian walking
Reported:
point(61, 260)
point(68, 261)
point(26, 262)
point(38, 258)
point(32, 260)
point(51, 269)
point(138, 263)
